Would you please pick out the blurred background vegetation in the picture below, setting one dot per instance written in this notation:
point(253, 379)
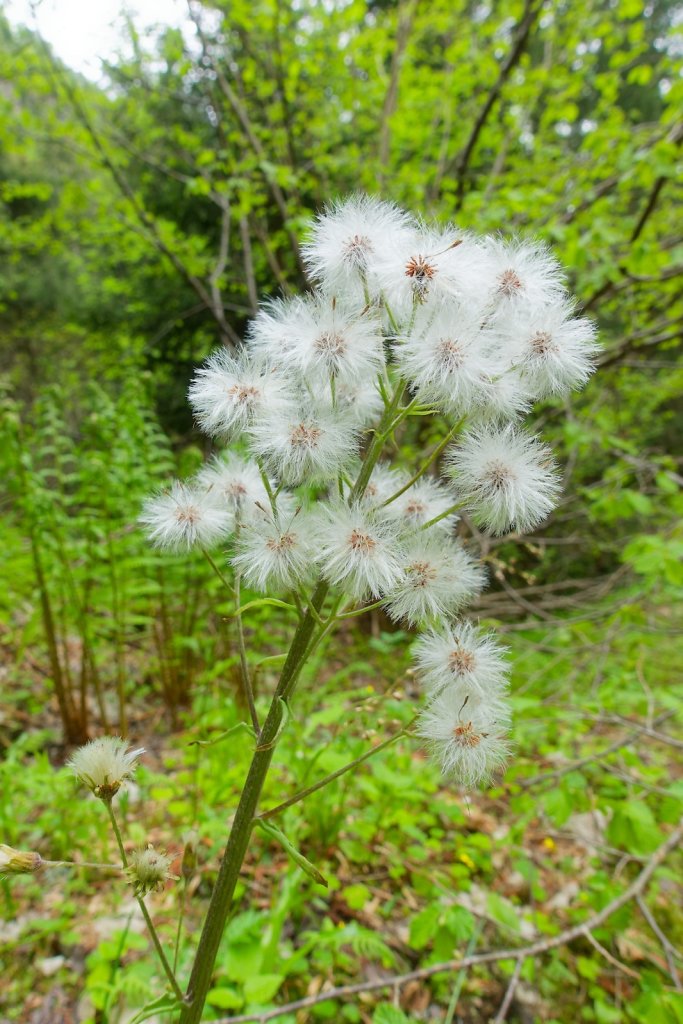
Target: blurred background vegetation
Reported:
point(140, 223)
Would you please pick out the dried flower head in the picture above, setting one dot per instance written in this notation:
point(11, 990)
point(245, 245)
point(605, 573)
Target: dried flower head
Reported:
point(148, 870)
point(438, 578)
point(463, 659)
point(18, 862)
point(184, 517)
point(356, 551)
point(104, 764)
point(506, 477)
point(470, 745)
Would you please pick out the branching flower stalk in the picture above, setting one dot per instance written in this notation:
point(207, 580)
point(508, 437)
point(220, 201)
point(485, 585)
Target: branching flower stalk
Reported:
point(313, 506)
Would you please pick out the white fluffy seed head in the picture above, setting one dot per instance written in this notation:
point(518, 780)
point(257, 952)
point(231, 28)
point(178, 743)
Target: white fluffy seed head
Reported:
point(274, 330)
point(185, 517)
point(506, 477)
point(438, 578)
point(310, 445)
point(463, 659)
point(228, 393)
point(275, 555)
point(520, 276)
point(445, 357)
point(348, 237)
point(431, 267)
point(235, 484)
point(552, 350)
point(356, 551)
point(424, 501)
point(104, 764)
point(335, 341)
point(470, 745)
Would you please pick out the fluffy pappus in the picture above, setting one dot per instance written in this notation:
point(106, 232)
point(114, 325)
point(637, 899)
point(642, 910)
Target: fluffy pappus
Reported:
point(506, 478)
point(348, 237)
point(229, 392)
point(104, 764)
point(312, 444)
point(275, 556)
point(463, 658)
point(438, 578)
point(356, 551)
point(469, 745)
point(185, 517)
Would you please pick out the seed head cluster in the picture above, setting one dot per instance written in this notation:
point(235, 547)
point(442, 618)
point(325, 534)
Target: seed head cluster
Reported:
point(404, 319)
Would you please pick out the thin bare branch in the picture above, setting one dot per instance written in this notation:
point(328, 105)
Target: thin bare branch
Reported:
point(535, 949)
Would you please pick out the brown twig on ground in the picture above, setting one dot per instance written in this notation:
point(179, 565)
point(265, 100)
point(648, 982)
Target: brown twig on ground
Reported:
point(635, 889)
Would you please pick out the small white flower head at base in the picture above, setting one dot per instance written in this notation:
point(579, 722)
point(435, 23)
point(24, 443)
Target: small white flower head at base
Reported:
point(356, 551)
point(506, 478)
point(18, 862)
point(185, 517)
point(148, 870)
point(552, 350)
point(469, 745)
point(229, 392)
point(420, 504)
point(273, 555)
point(463, 659)
point(235, 484)
point(521, 275)
point(310, 446)
point(438, 578)
point(348, 236)
point(104, 764)
point(333, 341)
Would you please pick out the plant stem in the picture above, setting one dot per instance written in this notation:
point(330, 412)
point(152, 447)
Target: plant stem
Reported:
point(448, 512)
point(426, 464)
point(141, 903)
point(302, 646)
point(78, 864)
point(219, 907)
point(218, 572)
point(335, 775)
point(244, 666)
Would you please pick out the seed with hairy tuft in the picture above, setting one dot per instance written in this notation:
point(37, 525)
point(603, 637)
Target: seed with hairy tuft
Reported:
point(304, 436)
point(243, 393)
point(465, 736)
point(421, 271)
point(356, 250)
point(422, 573)
point(449, 354)
point(509, 282)
point(362, 542)
point(285, 542)
point(542, 344)
point(461, 661)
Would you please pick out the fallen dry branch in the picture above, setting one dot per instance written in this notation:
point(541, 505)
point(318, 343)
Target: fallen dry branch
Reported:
point(519, 955)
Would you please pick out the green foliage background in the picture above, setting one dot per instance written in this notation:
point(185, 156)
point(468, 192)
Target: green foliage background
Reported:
point(140, 223)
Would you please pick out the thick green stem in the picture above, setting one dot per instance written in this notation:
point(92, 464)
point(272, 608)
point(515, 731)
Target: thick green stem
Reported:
point(231, 865)
point(301, 648)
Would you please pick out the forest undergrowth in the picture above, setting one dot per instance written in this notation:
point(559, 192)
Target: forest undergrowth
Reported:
point(418, 874)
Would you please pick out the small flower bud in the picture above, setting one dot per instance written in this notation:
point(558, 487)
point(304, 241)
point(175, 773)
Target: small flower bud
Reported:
point(148, 870)
point(18, 862)
point(103, 764)
point(189, 861)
